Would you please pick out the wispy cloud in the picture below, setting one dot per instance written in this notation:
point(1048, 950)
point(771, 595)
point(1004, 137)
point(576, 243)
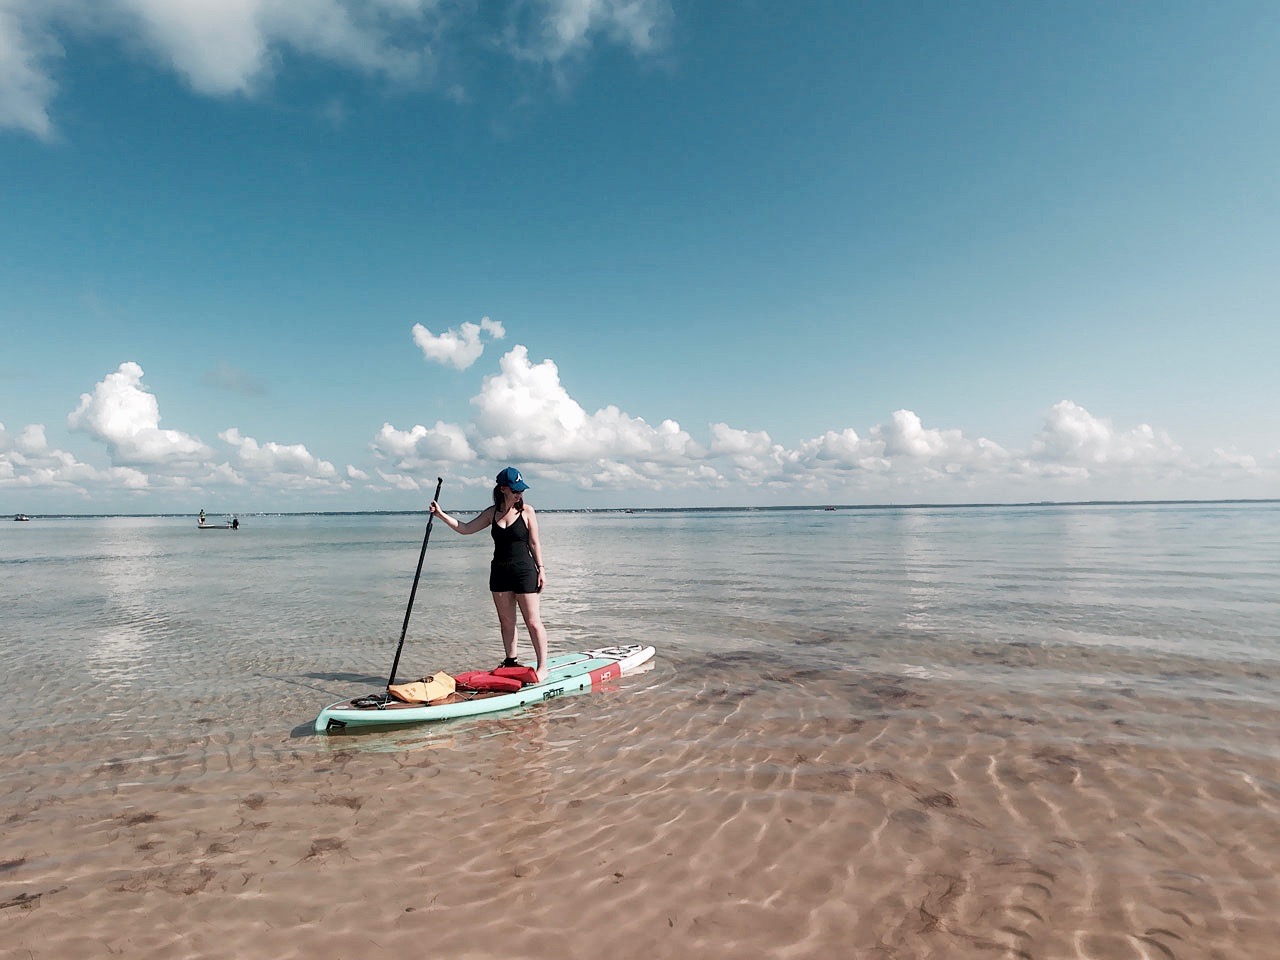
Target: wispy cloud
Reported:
point(553, 30)
point(233, 380)
point(234, 49)
point(27, 50)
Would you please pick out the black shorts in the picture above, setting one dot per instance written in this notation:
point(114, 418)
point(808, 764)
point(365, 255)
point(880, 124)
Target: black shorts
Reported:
point(513, 577)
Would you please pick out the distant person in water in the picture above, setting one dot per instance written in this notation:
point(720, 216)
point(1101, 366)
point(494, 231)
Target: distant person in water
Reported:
point(516, 575)
point(201, 521)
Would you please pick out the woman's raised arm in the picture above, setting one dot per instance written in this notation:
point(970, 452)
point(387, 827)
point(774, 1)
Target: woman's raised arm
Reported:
point(474, 525)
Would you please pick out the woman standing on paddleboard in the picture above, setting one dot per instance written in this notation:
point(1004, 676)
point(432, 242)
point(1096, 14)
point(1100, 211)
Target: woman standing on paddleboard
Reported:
point(515, 576)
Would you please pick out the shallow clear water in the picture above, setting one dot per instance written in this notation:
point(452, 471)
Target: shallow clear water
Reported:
point(1034, 732)
point(151, 621)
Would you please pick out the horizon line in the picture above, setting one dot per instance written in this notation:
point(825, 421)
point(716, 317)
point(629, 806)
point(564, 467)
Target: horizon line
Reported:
point(975, 505)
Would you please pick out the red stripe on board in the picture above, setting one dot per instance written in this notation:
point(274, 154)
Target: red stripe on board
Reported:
point(604, 673)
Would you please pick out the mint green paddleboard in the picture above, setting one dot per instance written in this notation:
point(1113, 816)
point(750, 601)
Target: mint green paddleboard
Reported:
point(569, 673)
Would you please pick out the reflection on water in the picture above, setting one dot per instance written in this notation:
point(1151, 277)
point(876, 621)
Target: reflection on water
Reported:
point(920, 567)
point(129, 570)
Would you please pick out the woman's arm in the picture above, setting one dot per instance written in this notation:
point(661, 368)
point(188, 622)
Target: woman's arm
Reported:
point(474, 525)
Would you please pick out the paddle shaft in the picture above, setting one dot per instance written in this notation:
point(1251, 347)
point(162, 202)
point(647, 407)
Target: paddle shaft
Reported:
point(395, 664)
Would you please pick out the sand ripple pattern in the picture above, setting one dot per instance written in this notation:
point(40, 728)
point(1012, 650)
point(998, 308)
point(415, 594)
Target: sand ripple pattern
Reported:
point(757, 814)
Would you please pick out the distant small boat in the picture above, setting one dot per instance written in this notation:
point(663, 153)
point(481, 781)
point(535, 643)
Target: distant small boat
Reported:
point(21, 516)
point(830, 509)
point(233, 524)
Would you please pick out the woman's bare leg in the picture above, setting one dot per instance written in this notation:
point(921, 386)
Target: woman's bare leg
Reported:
point(531, 610)
point(505, 604)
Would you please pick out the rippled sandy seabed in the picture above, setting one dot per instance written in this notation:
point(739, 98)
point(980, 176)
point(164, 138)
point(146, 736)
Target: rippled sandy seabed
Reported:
point(719, 805)
point(1035, 733)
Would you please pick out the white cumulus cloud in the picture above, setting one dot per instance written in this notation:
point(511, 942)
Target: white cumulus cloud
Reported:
point(422, 446)
point(728, 441)
point(906, 436)
point(844, 448)
point(524, 413)
point(31, 440)
point(126, 416)
point(460, 348)
point(279, 463)
point(1072, 436)
point(27, 462)
point(754, 457)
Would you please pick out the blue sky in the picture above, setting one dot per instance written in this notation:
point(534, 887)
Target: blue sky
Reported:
point(312, 254)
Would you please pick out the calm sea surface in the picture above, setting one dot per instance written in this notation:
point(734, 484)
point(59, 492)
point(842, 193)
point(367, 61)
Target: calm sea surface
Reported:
point(158, 625)
point(1043, 733)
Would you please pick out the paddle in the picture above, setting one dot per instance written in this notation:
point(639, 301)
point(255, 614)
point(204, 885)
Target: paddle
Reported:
point(412, 593)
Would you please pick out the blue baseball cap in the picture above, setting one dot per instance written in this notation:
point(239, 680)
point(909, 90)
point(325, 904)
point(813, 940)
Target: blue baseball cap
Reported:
point(510, 477)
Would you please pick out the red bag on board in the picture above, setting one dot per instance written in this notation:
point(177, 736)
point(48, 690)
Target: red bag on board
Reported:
point(484, 680)
point(523, 674)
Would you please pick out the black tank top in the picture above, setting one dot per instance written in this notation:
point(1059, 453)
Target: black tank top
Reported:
point(511, 543)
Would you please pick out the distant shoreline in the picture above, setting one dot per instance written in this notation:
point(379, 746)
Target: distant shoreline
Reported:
point(790, 508)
